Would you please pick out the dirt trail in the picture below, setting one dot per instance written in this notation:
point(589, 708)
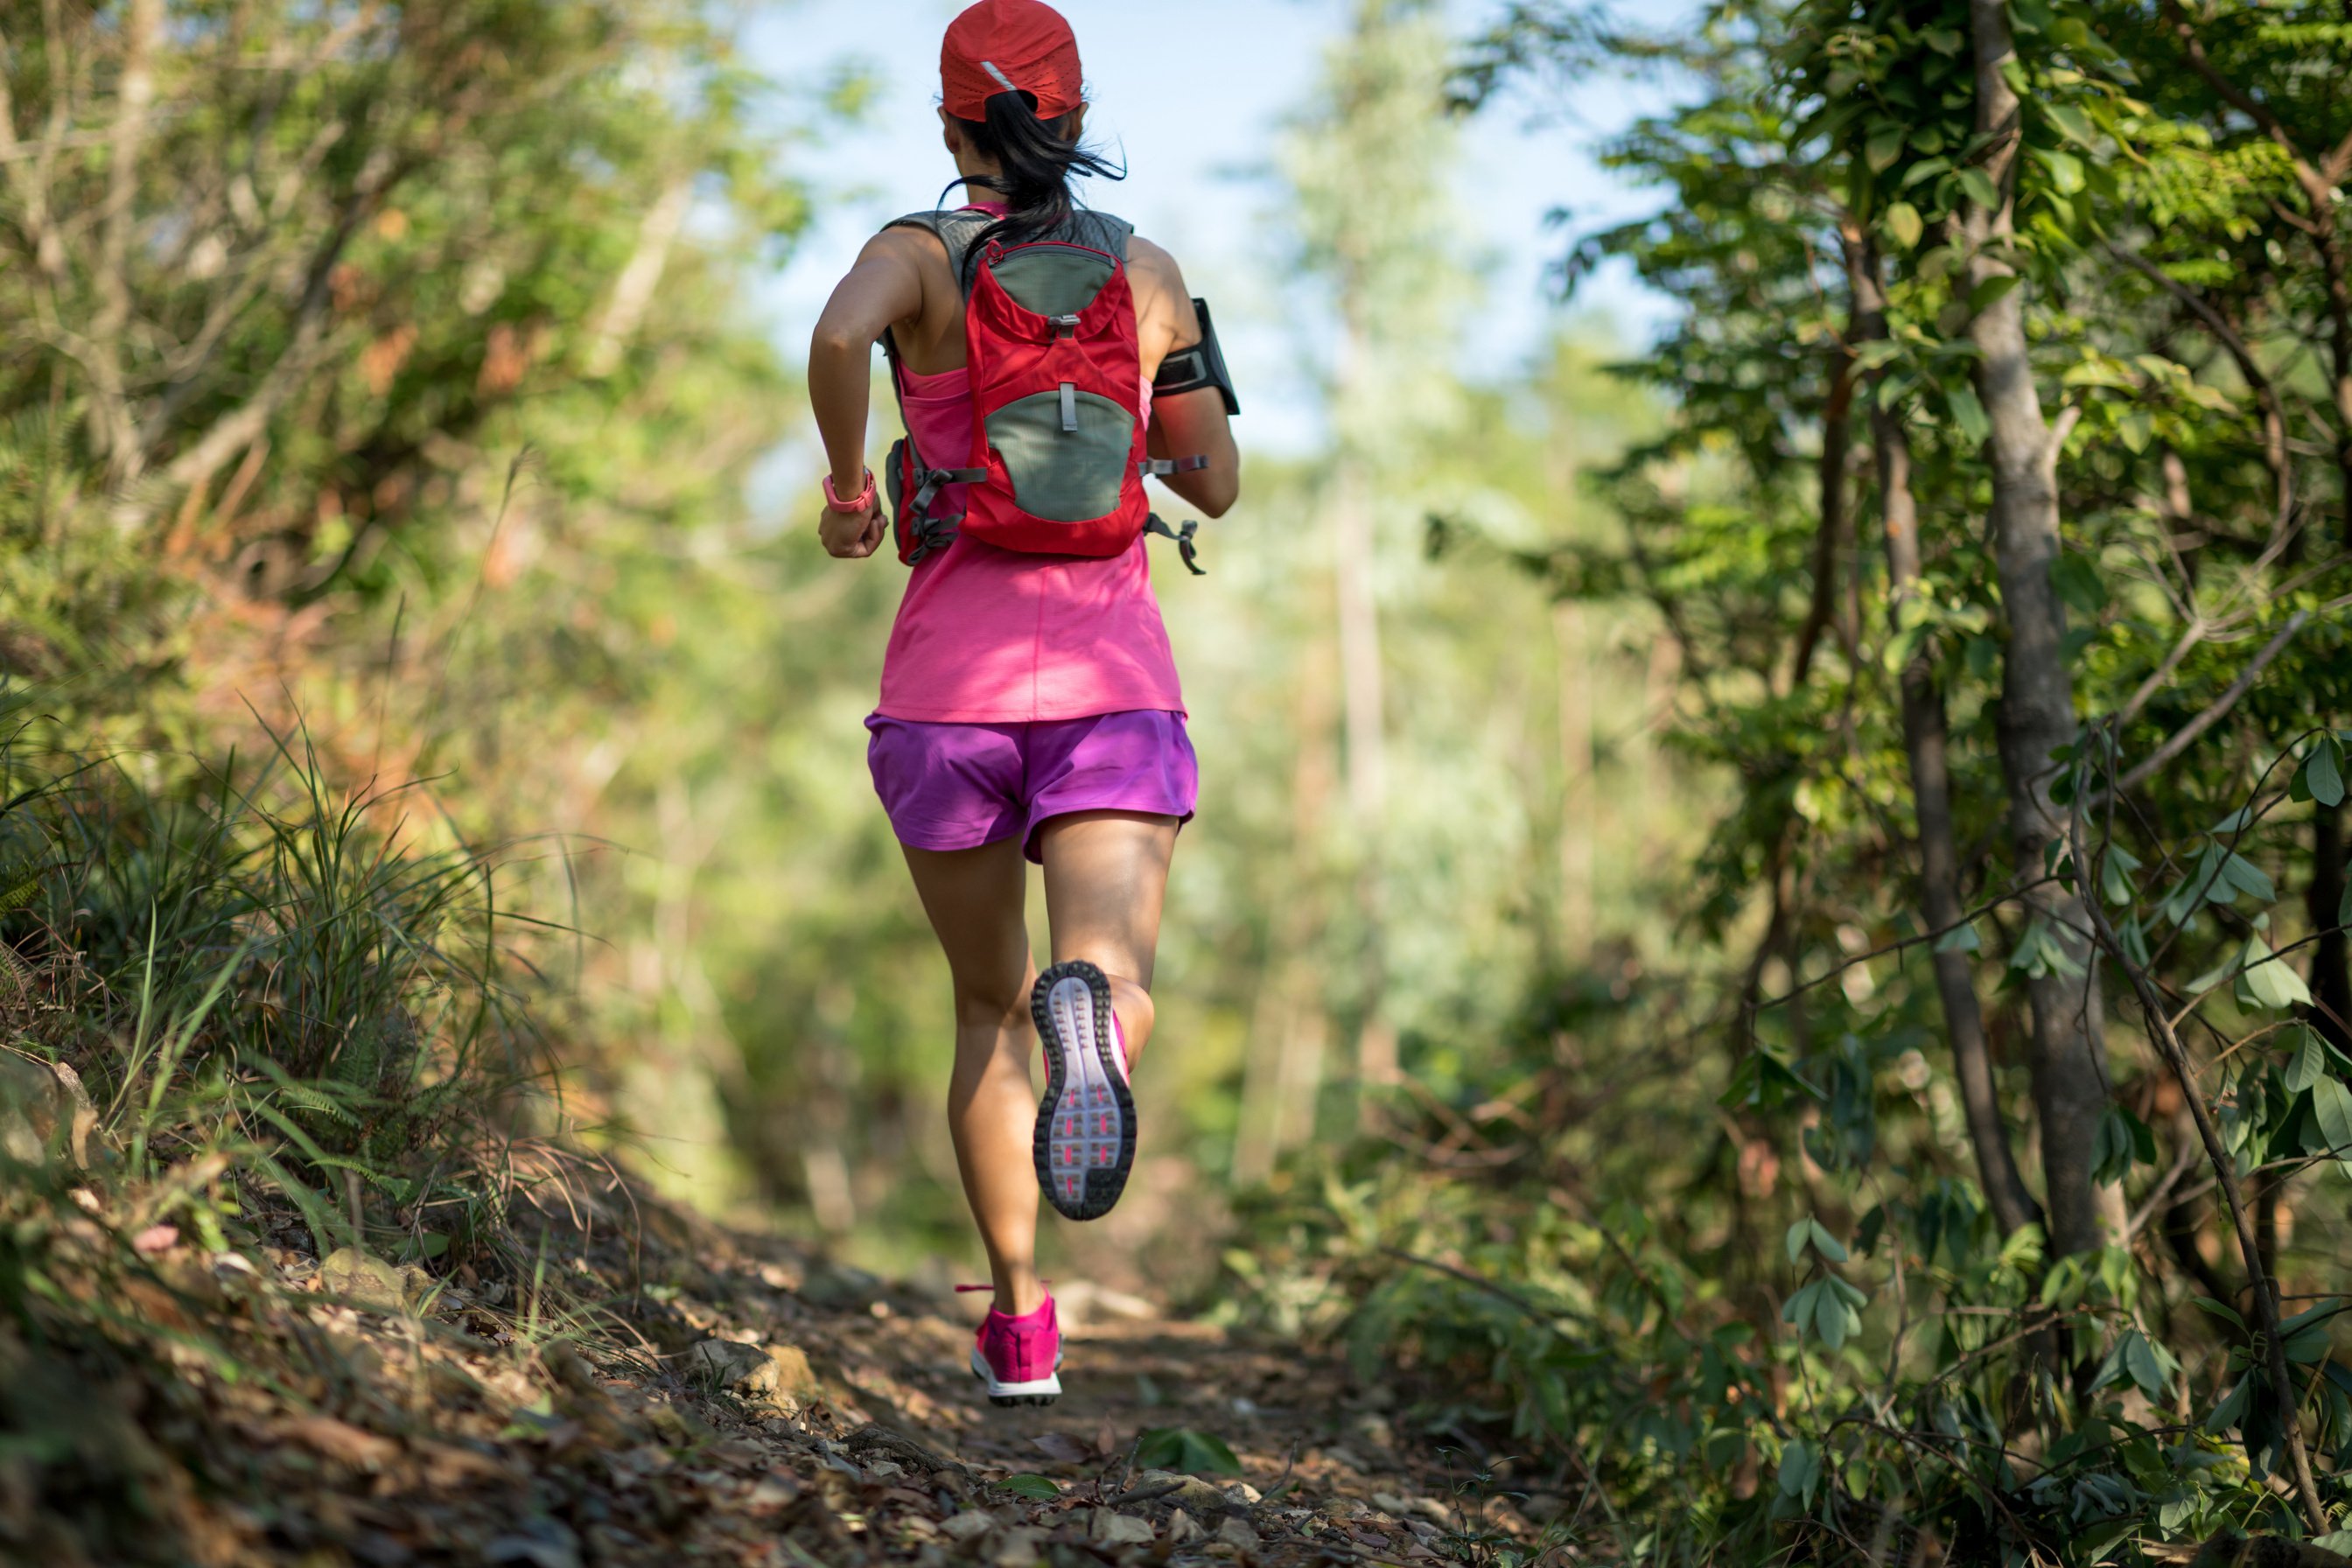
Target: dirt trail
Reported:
point(732, 1401)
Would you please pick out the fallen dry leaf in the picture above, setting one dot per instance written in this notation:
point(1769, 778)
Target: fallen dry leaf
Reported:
point(341, 1441)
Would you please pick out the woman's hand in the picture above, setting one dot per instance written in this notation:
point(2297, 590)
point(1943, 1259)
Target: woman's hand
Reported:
point(852, 535)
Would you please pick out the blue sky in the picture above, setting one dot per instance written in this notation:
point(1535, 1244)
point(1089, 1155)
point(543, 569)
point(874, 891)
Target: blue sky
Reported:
point(1193, 93)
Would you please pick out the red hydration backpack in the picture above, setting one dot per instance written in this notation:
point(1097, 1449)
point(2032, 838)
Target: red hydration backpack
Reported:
point(1057, 458)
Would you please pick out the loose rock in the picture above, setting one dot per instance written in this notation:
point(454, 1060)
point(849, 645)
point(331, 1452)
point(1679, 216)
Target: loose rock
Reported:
point(839, 1286)
point(1109, 1528)
point(362, 1278)
point(771, 1374)
point(1018, 1548)
point(968, 1526)
point(1191, 1491)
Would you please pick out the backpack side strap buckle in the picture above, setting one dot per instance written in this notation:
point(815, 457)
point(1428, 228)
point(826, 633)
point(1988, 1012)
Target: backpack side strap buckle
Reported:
point(936, 532)
point(1160, 467)
point(1186, 550)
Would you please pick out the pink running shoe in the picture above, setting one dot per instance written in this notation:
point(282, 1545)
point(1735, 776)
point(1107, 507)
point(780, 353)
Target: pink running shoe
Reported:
point(1084, 1143)
point(1020, 1359)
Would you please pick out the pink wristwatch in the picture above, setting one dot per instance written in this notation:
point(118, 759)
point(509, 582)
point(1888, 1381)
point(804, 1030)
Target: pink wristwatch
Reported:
point(864, 498)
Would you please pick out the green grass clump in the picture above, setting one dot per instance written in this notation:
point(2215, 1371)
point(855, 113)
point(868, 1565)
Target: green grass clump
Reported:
point(313, 994)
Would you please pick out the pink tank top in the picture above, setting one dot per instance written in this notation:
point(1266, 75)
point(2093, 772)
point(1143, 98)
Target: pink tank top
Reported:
point(1001, 637)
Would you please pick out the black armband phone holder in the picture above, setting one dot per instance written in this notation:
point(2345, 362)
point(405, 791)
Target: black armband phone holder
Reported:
point(1202, 365)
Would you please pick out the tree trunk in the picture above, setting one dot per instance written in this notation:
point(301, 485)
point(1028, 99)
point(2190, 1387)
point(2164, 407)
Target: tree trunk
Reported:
point(2037, 698)
point(2331, 965)
point(1282, 1076)
point(1926, 745)
point(1829, 541)
point(1363, 707)
point(134, 95)
point(1572, 663)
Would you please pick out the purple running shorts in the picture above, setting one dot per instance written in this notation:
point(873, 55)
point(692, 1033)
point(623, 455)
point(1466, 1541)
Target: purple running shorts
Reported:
point(958, 786)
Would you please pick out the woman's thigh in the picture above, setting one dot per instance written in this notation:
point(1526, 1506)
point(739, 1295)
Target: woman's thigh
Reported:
point(975, 899)
point(1106, 875)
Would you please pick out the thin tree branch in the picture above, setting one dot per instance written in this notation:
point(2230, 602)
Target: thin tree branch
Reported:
point(2185, 736)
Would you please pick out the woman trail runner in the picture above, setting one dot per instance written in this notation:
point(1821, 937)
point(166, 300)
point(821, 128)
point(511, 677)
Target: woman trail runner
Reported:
point(1047, 359)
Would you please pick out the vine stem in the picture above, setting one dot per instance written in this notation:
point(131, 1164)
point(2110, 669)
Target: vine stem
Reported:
point(2167, 1043)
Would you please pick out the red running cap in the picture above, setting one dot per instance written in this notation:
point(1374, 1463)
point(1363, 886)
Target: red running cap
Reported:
point(1008, 46)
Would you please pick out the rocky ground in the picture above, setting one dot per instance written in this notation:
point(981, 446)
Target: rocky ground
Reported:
point(704, 1399)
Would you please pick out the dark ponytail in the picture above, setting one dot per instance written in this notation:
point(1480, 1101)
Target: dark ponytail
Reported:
point(1036, 160)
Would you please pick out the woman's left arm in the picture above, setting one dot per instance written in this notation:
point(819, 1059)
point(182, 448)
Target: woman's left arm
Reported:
point(884, 286)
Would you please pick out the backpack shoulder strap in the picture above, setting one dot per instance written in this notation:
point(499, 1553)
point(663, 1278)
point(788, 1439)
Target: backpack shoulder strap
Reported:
point(1101, 231)
point(955, 230)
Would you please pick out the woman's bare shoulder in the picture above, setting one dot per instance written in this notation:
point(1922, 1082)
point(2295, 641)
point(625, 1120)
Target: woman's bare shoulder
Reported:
point(1163, 306)
point(907, 242)
point(1149, 263)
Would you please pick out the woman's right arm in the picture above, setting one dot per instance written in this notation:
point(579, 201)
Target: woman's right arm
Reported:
point(1189, 423)
point(884, 286)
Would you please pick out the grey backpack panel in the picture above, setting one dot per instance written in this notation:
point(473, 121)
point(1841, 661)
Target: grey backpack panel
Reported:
point(1064, 452)
point(958, 230)
point(1054, 279)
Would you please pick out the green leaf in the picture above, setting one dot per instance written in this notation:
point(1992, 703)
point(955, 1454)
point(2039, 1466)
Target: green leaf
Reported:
point(2094, 1542)
point(1885, 145)
point(1904, 222)
point(1797, 1234)
point(1801, 1470)
point(1970, 415)
point(1984, 294)
point(1832, 1319)
point(2122, 1141)
point(2331, 1103)
point(2323, 772)
point(1825, 1244)
point(2076, 578)
point(2066, 169)
point(2220, 1309)
point(2232, 1410)
point(1981, 188)
point(2134, 1358)
point(1762, 1080)
point(2308, 1064)
point(1959, 938)
point(2249, 879)
point(2137, 430)
point(1036, 1489)
point(2270, 981)
point(2070, 122)
point(1186, 1451)
point(2135, 940)
point(2116, 869)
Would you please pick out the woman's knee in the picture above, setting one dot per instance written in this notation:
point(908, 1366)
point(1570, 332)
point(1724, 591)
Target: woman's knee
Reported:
point(988, 1006)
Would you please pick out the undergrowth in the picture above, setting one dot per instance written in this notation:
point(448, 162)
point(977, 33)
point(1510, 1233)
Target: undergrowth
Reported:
point(239, 1003)
point(1780, 1320)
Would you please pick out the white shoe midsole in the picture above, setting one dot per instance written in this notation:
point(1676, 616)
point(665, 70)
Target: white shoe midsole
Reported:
point(1088, 1127)
point(1049, 1384)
